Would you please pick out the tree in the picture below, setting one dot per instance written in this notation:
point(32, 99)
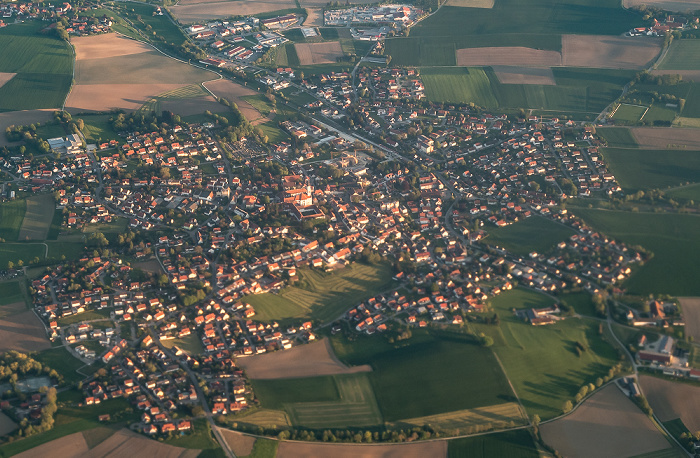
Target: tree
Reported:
point(567, 407)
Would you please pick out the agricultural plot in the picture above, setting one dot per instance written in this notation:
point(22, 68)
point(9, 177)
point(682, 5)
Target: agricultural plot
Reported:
point(25, 252)
point(685, 193)
point(241, 444)
point(310, 360)
point(11, 293)
point(43, 67)
point(466, 421)
point(596, 51)
point(682, 55)
point(666, 138)
point(323, 296)
point(652, 169)
point(617, 137)
point(524, 75)
point(192, 11)
point(433, 449)
point(530, 234)
point(471, 3)
point(235, 92)
point(318, 53)
point(6, 424)
point(607, 425)
point(671, 400)
point(690, 307)
point(185, 101)
point(266, 418)
point(129, 443)
point(541, 362)
point(22, 330)
point(513, 444)
point(629, 113)
point(71, 445)
point(669, 5)
point(38, 217)
point(673, 238)
point(21, 118)
point(11, 217)
point(514, 56)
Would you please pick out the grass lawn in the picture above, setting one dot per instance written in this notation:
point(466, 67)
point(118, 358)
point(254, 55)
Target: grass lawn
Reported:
point(629, 113)
point(652, 169)
point(11, 217)
point(190, 344)
point(530, 234)
point(581, 302)
point(65, 363)
point(618, 137)
point(682, 55)
point(51, 130)
point(659, 113)
point(11, 292)
point(85, 316)
point(541, 362)
point(323, 296)
point(98, 129)
point(513, 444)
point(673, 238)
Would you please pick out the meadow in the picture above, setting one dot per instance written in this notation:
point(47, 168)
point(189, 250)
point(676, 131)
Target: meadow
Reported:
point(513, 444)
point(673, 238)
point(682, 55)
point(618, 137)
point(161, 25)
point(43, 64)
point(686, 193)
point(530, 234)
point(11, 292)
point(629, 113)
point(323, 296)
point(11, 217)
point(541, 362)
point(652, 169)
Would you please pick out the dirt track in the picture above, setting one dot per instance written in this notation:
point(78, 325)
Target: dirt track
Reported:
point(606, 425)
point(599, 51)
point(524, 75)
point(514, 56)
point(671, 400)
point(310, 360)
point(318, 53)
point(666, 138)
point(435, 449)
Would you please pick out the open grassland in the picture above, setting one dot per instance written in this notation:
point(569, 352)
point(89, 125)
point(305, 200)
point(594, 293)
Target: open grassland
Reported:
point(97, 128)
point(323, 296)
point(433, 449)
point(581, 302)
point(607, 425)
point(671, 400)
point(659, 113)
point(471, 3)
point(43, 65)
point(629, 113)
point(142, 16)
point(682, 55)
point(652, 169)
point(465, 421)
point(673, 238)
point(617, 137)
point(38, 217)
point(25, 252)
point(11, 217)
point(541, 362)
point(530, 234)
point(513, 444)
point(309, 360)
point(6, 424)
point(576, 90)
point(666, 138)
point(275, 394)
point(189, 344)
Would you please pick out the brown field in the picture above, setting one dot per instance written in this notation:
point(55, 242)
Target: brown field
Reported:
point(233, 92)
point(471, 3)
point(434, 449)
point(5, 77)
point(608, 424)
point(6, 424)
point(670, 5)
point(191, 11)
point(22, 331)
point(600, 51)
point(241, 444)
point(666, 138)
point(672, 400)
point(318, 53)
point(104, 97)
point(38, 217)
point(688, 75)
point(70, 446)
point(196, 105)
point(107, 45)
point(310, 360)
point(524, 75)
point(314, 18)
point(151, 265)
point(517, 56)
point(690, 307)
point(127, 443)
point(22, 118)
point(464, 421)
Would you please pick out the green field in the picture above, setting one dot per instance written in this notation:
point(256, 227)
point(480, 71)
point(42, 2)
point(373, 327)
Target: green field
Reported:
point(577, 90)
point(513, 444)
point(580, 302)
point(161, 25)
point(274, 394)
point(323, 296)
point(652, 169)
point(38, 217)
point(659, 113)
point(629, 113)
point(25, 252)
point(11, 217)
point(686, 193)
point(428, 376)
point(618, 137)
point(65, 363)
point(530, 234)
point(97, 128)
point(682, 55)
point(201, 438)
point(11, 292)
point(43, 63)
point(541, 362)
point(673, 238)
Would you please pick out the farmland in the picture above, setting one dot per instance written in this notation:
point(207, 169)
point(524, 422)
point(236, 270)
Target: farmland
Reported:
point(433, 449)
point(11, 217)
point(530, 234)
point(682, 55)
point(43, 67)
point(665, 138)
point(323, 296)
point(690, 307)
point(629, 113)
point(540, 361)
point(673, 238)
point(618, 137)
point(671, 400)
point(515, 444)
point(318, 53)
point(38, 217)
point(652, 169)
point(608, 424)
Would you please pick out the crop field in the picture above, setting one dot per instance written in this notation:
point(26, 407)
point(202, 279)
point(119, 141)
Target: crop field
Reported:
point(607, 425)
point(11, 292)
point(318, 53)
point(43, 67)
point(465, 421)
point(324, 296)
point(618, 137)
point(471, 3)
point(629, 113)
point(685, 193)
point(11, 217)
point(22, 330)
point(670, 5)
point(235, 92)
point(192, 11)
point(310, 360)
point(38, 217)
point(541, 362)
point(671, 400)
point(421, 449)
point(241, 444)
point(524, 75)
point(682, 55)
point(652, 169)
point(25, 252)
point(21, 118)
point(673, 238)
point(597, 51)
point(515, 56)
point(530, 234)
point(666, 138)
point(660, 113)
point(513, 444)
point(162, 25)
point(266, 418)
